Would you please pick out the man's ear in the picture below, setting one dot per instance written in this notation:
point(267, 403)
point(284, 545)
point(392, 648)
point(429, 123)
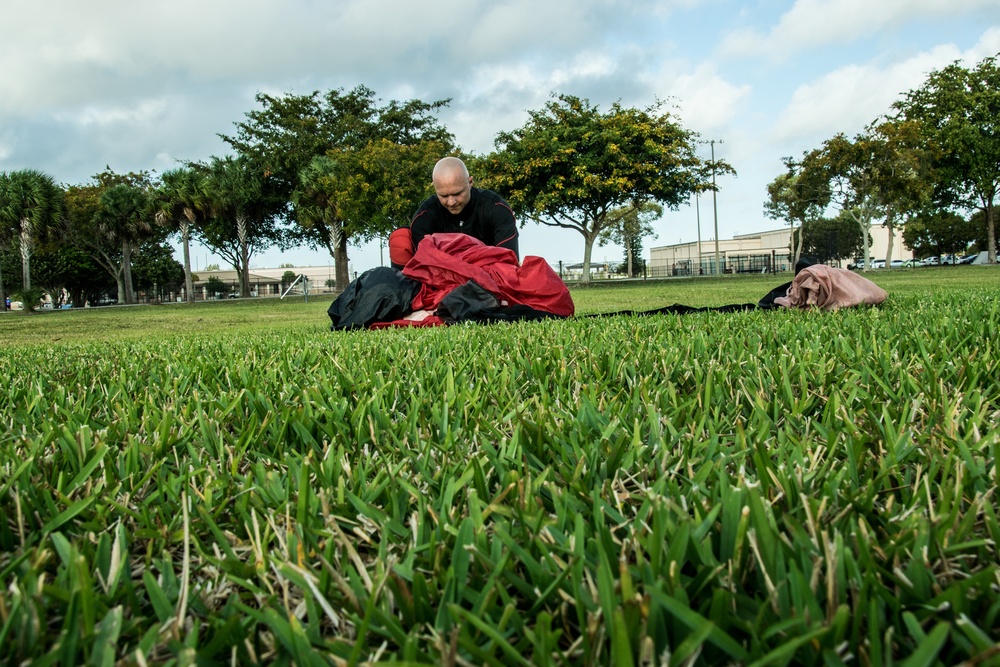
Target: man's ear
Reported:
point(470, 180)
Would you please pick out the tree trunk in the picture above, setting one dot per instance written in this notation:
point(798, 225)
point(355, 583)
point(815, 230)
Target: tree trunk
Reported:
point(186, 240)
point(121, 286)
point(629, 254)
point(797, 244)
point(3, 295)
point(243, 270)
point(889, 243)
point(26, 249)
point(340, 263)
point(127, 271)
point(991, 234)
point(864, 224)
point(336, 245)
point(588, 248)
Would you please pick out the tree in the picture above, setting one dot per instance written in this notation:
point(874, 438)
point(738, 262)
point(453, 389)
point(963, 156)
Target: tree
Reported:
point(632, 225)
point(289, 132)
point(215, 287)
point(574, 167)
point(81, 231)
point(155, 269)
point(58, 265)
point(904, 161)
point(851, 169)
point(935, 233)
point(102, 225)
point(181, 203)
point(29, 202)
point(125, 217)
point(800, 195)
point(880, 174)
point(978, 221)
point(364, 193)
point(958, 110)
point(831, 239)
point(244, 213)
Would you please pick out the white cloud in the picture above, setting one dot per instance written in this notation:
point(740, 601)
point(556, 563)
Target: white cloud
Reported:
point(144, 113)
point(146, 47)
point(707, 101)
point(850, 97)
point(136, 85)
point(815, 23)
point(988, 45)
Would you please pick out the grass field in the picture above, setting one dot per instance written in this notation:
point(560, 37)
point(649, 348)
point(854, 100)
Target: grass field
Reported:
point(234, 483)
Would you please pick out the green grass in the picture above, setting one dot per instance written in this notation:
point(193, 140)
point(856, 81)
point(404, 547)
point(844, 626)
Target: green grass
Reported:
point(233, 482)
point(228, 317)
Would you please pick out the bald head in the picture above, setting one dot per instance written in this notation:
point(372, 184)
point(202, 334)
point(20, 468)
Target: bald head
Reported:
point(450, 168)
point(452, 184)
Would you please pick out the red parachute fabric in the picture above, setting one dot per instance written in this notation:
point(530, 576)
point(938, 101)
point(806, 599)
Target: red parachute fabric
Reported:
point(443, 262)
point(400, 246)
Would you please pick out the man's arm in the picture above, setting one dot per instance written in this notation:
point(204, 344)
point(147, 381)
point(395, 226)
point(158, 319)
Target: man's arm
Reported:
point(421, 225)
point(504, 227)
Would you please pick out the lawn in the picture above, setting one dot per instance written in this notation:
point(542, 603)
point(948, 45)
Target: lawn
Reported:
point(232, 482)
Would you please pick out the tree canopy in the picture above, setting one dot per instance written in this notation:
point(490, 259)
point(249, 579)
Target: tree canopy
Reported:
point(799, 195)
point(30, 201)
point(632, 225)
point(347, 197)
point(831, 239)
point(125, 217)
point(243, 212)
point(939, 232)
point(182, 203)
point(576, 167)
point(958, 109)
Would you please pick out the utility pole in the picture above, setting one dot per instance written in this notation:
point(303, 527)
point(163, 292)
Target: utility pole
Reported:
point(715, 211)
point(697, 212)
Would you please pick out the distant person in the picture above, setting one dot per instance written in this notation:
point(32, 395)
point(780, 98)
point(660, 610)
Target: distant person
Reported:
point(456, 207)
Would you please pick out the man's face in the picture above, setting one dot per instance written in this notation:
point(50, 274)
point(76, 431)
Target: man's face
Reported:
point(454, 193)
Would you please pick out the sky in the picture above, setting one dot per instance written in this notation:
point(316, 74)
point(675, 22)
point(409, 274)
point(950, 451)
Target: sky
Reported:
point(149, 85)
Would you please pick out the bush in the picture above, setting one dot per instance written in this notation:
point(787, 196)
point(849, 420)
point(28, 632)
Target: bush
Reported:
point(216, 288)
point(29, 298)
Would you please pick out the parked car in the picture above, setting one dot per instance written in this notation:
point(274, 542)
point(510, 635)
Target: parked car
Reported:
point(968, 259)
point(897, 263)
point(878, 263)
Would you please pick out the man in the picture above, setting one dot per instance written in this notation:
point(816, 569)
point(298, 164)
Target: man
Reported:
point(458, 207)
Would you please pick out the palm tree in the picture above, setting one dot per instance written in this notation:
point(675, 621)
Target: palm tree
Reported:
point(29, 202)
point(181, 200)
point(243, 213)
point(125, 217)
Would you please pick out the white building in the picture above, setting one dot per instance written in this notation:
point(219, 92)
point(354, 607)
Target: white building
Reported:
point(752, 253)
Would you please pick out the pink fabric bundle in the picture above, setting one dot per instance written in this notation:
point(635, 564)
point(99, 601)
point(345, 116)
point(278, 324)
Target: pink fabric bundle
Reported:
point(829, 288)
